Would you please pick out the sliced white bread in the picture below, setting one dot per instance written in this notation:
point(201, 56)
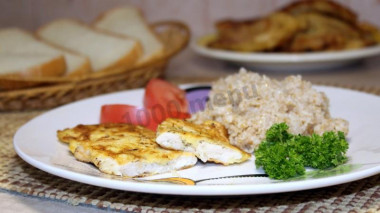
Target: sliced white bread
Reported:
point(24, 70)
point(77, 65)
point(129, 21)
point(21, 61)
point(18, 41)
point(30, 65)
point(105, 51)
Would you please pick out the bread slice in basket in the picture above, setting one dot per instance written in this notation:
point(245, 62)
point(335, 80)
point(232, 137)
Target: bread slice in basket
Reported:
point(23, 57)
point(15, 40)
point(24, 69)
point(19, 44)
point(129, 21)
point(106, 52)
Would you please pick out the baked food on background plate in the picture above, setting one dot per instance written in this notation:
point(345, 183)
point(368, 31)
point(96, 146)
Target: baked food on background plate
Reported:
point(303, 26)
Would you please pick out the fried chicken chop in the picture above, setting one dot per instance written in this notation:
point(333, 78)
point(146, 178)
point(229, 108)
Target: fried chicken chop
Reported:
point(123, 149)
point(255, 35)
point(208, 141)
point(324, 33)
point(369, 33)
point(302, 26)
point(324, 7)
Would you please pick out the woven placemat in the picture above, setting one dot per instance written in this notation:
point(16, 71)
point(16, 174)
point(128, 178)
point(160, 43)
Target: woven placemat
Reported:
point(16, 176)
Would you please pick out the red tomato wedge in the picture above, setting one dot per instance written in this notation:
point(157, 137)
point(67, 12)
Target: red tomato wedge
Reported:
point(118, 113)
point(162, 94)
point(150, 118)
point(162, 100)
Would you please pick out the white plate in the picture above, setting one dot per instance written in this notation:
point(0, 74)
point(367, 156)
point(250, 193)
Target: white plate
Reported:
point(37, 144)
point(286, 61)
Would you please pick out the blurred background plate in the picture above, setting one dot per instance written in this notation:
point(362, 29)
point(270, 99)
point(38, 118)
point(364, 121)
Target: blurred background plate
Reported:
point(295, 62)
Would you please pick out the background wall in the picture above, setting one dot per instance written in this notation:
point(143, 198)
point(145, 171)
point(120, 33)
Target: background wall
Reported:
point(198, 14)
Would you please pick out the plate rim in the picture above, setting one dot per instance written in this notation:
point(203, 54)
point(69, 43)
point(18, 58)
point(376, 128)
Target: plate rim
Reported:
point(280, 58)
point(198, 190)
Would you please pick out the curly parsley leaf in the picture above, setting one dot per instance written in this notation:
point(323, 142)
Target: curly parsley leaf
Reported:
point(279, 160)
point(322, 152)
point(278, 133)
point(283, 155)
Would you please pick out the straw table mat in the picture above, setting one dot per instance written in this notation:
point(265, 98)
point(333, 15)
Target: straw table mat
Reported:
point(18, 177)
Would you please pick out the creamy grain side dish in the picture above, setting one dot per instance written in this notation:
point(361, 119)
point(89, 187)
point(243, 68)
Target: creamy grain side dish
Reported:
point(248, 104)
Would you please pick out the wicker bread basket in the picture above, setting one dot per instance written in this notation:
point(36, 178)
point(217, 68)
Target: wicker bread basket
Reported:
point(55, 92)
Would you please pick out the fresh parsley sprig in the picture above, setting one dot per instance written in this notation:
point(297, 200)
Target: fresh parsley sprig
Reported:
point(283, 155)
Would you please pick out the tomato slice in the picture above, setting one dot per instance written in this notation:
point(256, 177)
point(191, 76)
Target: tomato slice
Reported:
point(162, 94)
point(150, 118)
point(118, 113)
point(162, 100)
